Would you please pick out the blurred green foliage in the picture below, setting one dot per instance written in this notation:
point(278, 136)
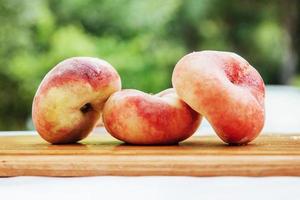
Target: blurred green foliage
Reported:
point(142, 39)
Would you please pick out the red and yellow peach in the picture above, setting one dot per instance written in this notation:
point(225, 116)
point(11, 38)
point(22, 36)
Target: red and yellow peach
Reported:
point(70, 98)
point(226, 90)
point(136, 117)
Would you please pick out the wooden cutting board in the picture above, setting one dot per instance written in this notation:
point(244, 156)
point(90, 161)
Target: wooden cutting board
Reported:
point(268, 155)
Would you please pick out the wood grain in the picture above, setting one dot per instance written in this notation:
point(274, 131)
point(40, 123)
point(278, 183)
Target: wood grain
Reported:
point(269, 155)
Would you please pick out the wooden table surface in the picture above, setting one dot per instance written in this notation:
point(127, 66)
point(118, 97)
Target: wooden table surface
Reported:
point(268, 155)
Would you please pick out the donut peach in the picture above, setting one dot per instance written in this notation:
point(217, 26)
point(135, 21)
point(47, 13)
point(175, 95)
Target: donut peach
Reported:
point(226, 90)
point(69, 100)
point(139, 118)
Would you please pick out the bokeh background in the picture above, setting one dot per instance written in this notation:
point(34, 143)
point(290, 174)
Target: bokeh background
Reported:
point(142, 39)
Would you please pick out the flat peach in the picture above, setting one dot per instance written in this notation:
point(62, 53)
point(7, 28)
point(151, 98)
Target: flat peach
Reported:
point(139, 118)
point(70, 98)
point(226, 90)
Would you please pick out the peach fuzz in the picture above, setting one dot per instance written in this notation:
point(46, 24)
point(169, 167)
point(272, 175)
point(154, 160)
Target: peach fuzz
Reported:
point(70, 98)
point(139, 118)
point(226, 90)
